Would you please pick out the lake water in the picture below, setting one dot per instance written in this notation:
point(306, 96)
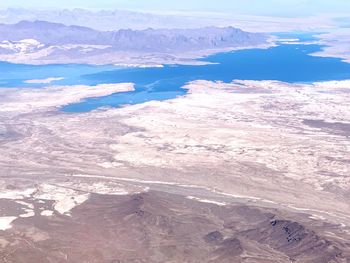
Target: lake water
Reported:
point(290, 63)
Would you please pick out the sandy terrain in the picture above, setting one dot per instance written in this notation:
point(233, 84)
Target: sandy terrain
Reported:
point(269, 144)
point(23, 100)
point(336, 44)
point(123, 58)
point(159, 227)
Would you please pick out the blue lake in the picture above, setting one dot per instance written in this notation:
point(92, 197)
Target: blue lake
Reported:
point(290, 63)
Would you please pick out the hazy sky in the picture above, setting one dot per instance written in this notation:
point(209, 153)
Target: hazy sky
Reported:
point(262, 7)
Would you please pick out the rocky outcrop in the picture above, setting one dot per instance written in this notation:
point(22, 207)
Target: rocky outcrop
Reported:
point(295, 240)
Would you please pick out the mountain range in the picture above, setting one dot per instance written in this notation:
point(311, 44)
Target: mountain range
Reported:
point(42, 41)
point(117, 19)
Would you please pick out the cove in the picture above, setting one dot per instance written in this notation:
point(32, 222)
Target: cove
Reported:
point(289, 63)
